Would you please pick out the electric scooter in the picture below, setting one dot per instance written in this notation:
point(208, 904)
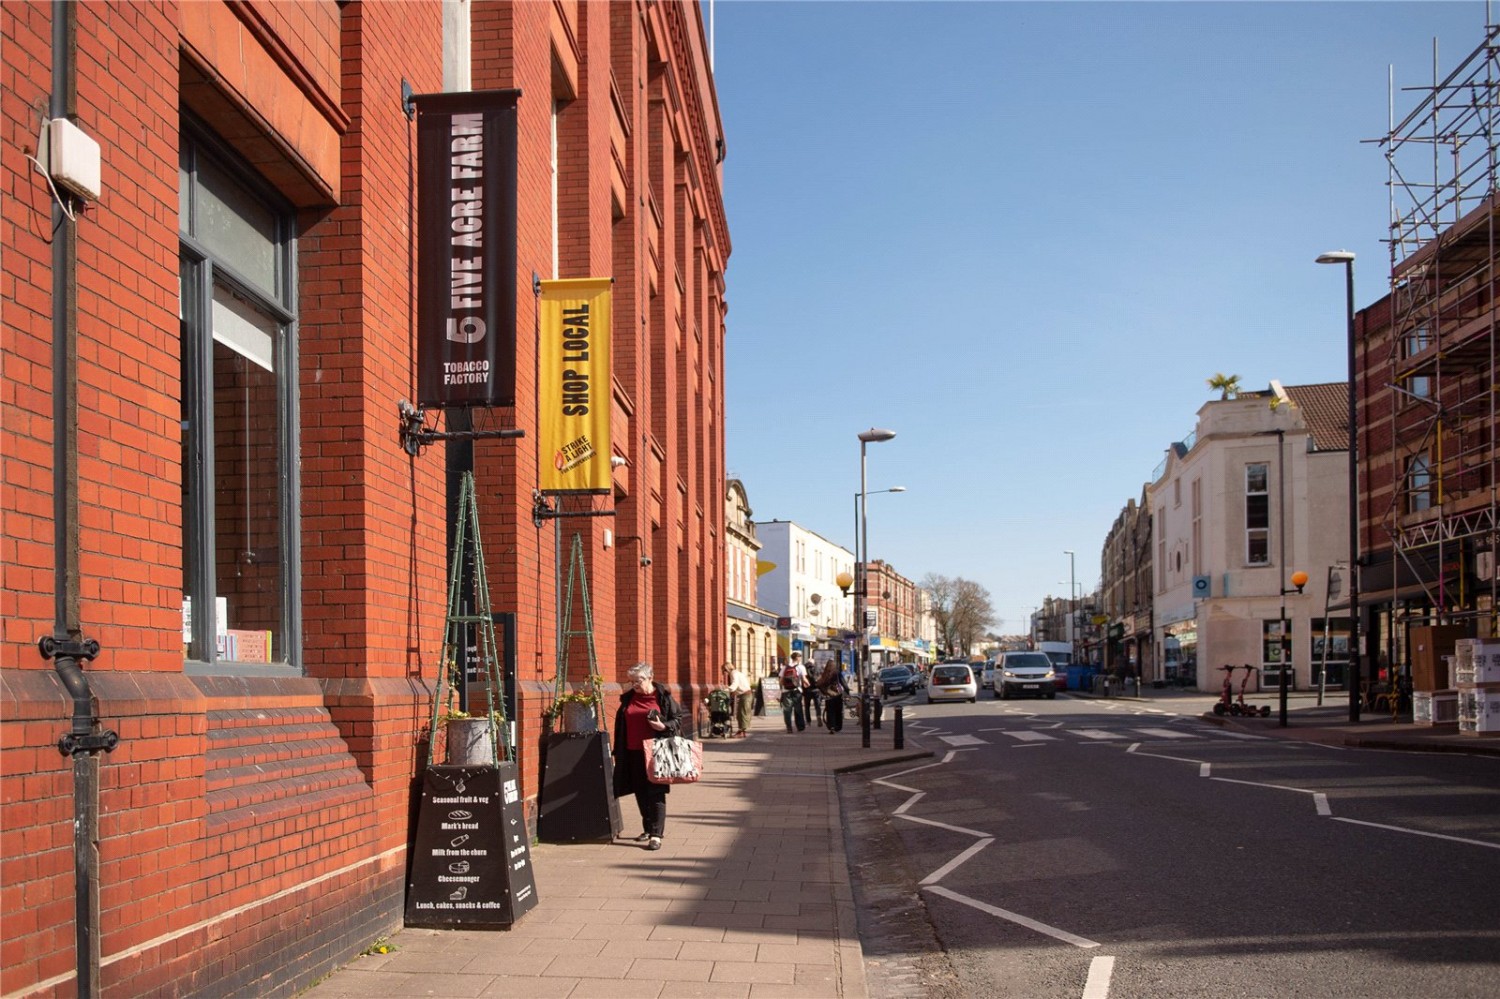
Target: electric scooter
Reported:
point(1225, 704)
point(1250, 710)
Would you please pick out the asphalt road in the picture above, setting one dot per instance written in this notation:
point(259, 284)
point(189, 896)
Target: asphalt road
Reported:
point(1120, 850)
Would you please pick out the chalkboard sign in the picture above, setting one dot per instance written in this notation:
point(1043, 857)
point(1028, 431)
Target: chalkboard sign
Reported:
point(472, 865)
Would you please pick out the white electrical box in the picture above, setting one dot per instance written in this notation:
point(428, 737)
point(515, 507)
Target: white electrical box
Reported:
point(70, 157)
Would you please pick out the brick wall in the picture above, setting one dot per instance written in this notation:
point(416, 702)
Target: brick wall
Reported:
point(254, 829)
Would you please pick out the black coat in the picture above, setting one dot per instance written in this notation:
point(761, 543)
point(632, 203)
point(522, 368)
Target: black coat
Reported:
point(671, 716)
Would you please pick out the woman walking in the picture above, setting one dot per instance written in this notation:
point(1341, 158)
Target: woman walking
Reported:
point(646, 711)
point(831, 682)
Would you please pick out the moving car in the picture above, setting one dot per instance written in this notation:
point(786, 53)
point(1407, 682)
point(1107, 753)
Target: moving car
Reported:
point(987, 677)
point(1018, 673)
point(897, 680)
point(952, 682)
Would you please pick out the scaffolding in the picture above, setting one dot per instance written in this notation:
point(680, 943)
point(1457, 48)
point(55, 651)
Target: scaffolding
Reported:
point(1435, 387)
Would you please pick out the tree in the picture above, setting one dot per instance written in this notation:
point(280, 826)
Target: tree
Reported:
point(1228, 385)
point(961, 609)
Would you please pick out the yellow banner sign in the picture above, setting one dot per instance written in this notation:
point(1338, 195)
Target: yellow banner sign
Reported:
point(574, 393)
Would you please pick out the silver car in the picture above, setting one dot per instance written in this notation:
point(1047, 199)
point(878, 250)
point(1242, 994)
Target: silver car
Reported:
point(1019, 673)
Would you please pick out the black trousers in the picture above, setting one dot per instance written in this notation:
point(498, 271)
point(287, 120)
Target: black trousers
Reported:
point(835, 712)
point(650, 798)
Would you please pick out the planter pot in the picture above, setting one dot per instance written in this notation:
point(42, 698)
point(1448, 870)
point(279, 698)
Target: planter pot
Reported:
point(578, 718)
point(470, 742)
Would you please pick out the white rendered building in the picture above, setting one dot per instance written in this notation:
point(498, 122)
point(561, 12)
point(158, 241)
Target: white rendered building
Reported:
point(1233, 520)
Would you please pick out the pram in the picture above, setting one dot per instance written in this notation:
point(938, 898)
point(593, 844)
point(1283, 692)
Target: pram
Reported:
point(720, 714)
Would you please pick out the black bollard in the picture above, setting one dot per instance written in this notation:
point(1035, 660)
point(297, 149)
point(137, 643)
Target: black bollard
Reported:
point(900, 730)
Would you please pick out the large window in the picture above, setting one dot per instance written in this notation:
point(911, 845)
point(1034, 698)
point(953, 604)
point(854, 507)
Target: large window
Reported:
point(1257, 516)
point(239, 406)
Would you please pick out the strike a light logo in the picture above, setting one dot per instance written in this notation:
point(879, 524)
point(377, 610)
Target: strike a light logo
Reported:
point(574, 453)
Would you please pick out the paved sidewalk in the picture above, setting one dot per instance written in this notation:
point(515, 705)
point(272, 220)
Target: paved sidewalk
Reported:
point(748, 897)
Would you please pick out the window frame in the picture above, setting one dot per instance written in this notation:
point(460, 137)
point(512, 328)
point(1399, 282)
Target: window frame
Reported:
point(200, 273)
point(1419, 482)
point(1253, 532)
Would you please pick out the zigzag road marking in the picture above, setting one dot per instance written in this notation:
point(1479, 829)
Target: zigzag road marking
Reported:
point(1017, 918)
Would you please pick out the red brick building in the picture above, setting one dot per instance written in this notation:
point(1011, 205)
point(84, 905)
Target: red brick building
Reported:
point(202, 470)
point(1428, 412)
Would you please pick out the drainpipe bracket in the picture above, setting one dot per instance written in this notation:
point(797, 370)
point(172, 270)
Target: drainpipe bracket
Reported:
point(72, 745)
point(65, 648)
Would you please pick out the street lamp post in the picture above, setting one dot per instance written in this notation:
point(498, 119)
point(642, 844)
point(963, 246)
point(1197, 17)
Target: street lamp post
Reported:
point(866, 437)
point(1352, 678)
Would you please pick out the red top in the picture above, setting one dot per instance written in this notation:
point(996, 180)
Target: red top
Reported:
point(637, 728)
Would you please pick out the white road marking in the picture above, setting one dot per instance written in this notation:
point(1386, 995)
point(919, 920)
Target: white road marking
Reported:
point(1135, 746)
point(1242, 735)
point(902, 773)
point(1100, 970)
point(1014, 917)
point(1419, 832)
point(909, 802)
point(1274, 787)
point(1096, 733)
point(948, 868)
point(962, 740)
point(1166, 733)
point(1204, 769)
point(1032, 736)
point(944, 825)
point(1320, 802)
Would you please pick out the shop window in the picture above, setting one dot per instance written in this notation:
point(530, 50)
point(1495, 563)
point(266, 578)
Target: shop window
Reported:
point(239, 403)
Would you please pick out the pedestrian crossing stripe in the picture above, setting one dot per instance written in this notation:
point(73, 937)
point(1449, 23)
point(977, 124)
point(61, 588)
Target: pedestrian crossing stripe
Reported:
point(1098, 735)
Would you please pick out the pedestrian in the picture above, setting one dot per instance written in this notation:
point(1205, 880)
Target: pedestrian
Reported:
point(646, 711)
point(793, 679)
point(831, 683)
point(812, 697)
point(744, 699)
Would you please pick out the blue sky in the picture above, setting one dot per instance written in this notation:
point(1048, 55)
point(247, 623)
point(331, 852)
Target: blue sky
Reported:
point(1023, 236)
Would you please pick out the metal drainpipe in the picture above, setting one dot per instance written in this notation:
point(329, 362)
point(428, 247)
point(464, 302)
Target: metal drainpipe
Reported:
point(66, 647)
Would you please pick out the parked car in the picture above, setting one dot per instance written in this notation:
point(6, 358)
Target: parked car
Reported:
point(987, 677)
point(952, 682)
point(918, 674)
point(897, 680)
point(1019, 673)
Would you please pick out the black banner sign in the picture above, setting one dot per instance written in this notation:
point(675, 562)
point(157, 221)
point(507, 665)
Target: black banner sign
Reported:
point(472, 865)
point(466, 248)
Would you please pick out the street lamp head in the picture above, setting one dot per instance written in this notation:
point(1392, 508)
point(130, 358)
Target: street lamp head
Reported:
point(1299, 580)
point(896, 489)
point(844, 581)
point(1336, 257)
point(875, 435)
